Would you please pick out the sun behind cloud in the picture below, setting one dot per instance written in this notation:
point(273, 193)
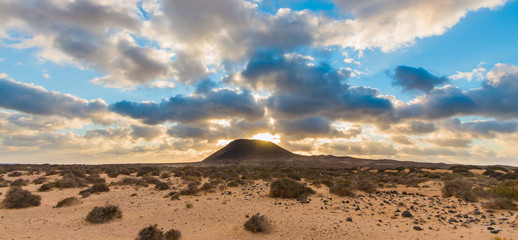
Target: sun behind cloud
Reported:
point(267, 137)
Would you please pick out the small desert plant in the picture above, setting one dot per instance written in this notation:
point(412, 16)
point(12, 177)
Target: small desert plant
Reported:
point(257, 223)
point(288, 188)
point(46, 187)
point(133, 181)
point(188, 204)
point(19, 183)
point(460, 188)
point(191, 189)
point(342, 188)
point(366, 186)
point(499, 204)
point(19, 198)
point(96, 188)
point(145, 170)
point(14, 174)
point(70, 181)
point(165, 175)
point(207, 186)
point(68, 202)
point(103, 214)
point(154, 233)
point(161, 186)
point(40, 180)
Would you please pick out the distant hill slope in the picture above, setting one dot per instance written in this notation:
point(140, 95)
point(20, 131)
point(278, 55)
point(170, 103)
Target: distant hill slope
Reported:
point(258, 153)
point(246, 149)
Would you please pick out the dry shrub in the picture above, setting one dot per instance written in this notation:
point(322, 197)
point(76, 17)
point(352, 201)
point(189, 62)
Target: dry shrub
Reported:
point(70, 181)
point(342, 188)
point(46, 187)
point(68, 202)
point(19, 183)
point(148, 170)
point(191, 189)
point(207, 186)
point(40, 180)
point(460, 188)
point(94, 178)
point(288, 188)
point(96, 188)
point(161, 186)
point(367, 186)
point(499, 204)
point(103, 214)
point(154, 233)
point(257, 223)
point(14, 174)
point(133, 181)
point(19, 198)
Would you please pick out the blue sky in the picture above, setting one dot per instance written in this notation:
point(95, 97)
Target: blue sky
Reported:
point(123, 81)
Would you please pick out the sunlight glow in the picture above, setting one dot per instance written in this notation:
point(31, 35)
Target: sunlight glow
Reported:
point(268, 137)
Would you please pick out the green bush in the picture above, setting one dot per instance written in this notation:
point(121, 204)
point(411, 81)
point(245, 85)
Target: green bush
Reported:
point(507, 189)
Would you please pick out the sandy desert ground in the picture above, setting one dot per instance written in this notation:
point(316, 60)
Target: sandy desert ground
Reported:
point(221, 214)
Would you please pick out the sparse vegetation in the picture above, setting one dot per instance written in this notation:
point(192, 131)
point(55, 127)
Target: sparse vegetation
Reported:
point(19, 198)
point(289, 188)
point(257, 223)
point(103, 214)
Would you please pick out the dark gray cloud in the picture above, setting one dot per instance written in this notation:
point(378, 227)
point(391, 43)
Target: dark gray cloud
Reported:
point(307, 127)
point(487, 128)
point(145, 132)
point(220, 103)
point(416, 127)
point(410, 78)
point(37, 100)
point(495, 98)
point(299, 89)
point(185, 131)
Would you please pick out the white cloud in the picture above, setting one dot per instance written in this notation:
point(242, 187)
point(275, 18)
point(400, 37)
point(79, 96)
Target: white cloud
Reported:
point(476, 74)
point(46, 76)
